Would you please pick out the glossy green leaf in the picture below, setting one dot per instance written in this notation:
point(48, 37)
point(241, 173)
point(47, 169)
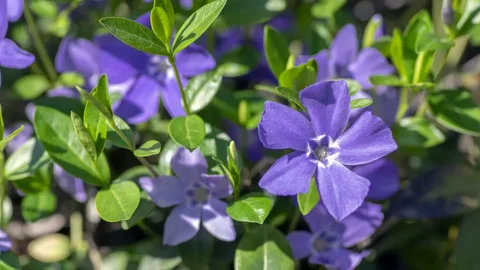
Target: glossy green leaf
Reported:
point(31, 86)
point(95, 101)
point(167, 6)
point(118, 202)
point(276, 50)
point(415, 132)
point(84, 136)
point(12, 135)
point(38, 206)
point(113, 137)
point(431, 42)
point(9, 261)
point(149, 148)
point(456, 110)
point(360, 103)
point(134, 34)
point(239, 61)
point(161, 25)
point(254, 208)
point(466, 255)
point(197, 24)
point(397, 54)
point(263, 247)
point(197, 252)
point(40, 181)
point(50, 248)
point(71, 79)
point(188, 131)
point(465, 25)
point(201, 90)
point(26, 159)
point(307, 201)
point(290, 95)
point(96, 124)
point(102, 94)
point(145, 207)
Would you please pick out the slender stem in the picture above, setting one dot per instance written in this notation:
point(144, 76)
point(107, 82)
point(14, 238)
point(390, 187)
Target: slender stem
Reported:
point(294, 221)
point(37, 42)
point(403, 107)
point(418, 67)
point(179, 82)
point(422, 109)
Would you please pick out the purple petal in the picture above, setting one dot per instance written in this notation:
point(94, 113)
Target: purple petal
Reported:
point(386, 103)
point(165, 191)
point(5, 242)
point(63, 62)
point(289, 175)
point(328, 105)
point(282, 127)
point(186, 4)
point(369, 62)
point(134, 58)
point(344, 47)
point(84, 56)
point(21, 138)
point(342, 259)
point(383, 177)
point(216, 220)
point(300, 241)
point(194, 60)
point(342, 191)
point(189, 166)
point(318, 219)
point(181, 225)
point(141, 102)
point(219, 185)
point(116, 68)
point(70, 184)
point(14, 9)
point(144, 20)
point(367, 140)
point(171, 96)
point(381, 29)
point(3, 18)
point(61, 91)
point(11, 56)
point(362, 223)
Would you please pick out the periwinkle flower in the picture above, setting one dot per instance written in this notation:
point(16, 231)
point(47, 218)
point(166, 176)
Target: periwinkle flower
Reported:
point(197, 196)
point(328, 241)
point(322, 148)
point(70, 184)
point(383, 176)
point(5, 242)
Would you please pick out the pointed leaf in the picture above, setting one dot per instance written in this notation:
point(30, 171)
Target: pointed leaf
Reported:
point(147, 149)
point(290, 95)
point(102, 93)
point(360, 103)
point(307, 201)
point(96, 124)
point(161, 25)
point(27, 159)
point(276, 50)
point(12, 135)
point(201, 90)
point(118, 202)
point(254, 207)
point(96, 102)
point(167, 6)
point(188, 131)
point(84, 136)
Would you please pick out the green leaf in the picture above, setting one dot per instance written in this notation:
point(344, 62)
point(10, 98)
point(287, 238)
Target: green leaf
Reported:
point(84, 136)
point(239, 61)
point(44, 9)
point(38, 206)
point(145, 207)
point(40, 181)
point(118, 202)
point(149, 148)
point(290, 95)
point(246, 12)
point(9, 261)
point(12, 135)
point(167, 6)
point(370, 30)
point(201, 90)
point(254, 208)
point(353, 86)
point(216, 144)
point(263, 247)
point(465, 25)
point(155, 255)
point(235, 163)
point(56, 132)
point(71, 79)
point(325, 9)
point(415, 132)
point(431, 42)
point(50, 248)
point(360, 103)
point(299, 77)
point(307, 201)
point(188, 131)
point(27, 159)
point(102, 95)
point(418, 26)
point(95, 101)
point(276, 50)
point(196, 24)
point(389, 80)
point(226, 171)
point(383, 45)
point(162, 25)
point(96, 124)
point(134, 35)
point(466, 255)
point(456, 110)
point(31, 86)
point(113, 137)
point(196, 253)
point(397, 55)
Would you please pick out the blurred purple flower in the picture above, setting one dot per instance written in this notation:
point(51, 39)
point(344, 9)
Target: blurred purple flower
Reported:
point(383, 177)
point(328, 242)
point(5, 242)
point(196, 195)
point(321, 148)
point(252, 144)
point(11, 56)
point(70, 184)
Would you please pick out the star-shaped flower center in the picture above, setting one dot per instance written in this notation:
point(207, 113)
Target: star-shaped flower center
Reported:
point(197, 194)
point(322, 151)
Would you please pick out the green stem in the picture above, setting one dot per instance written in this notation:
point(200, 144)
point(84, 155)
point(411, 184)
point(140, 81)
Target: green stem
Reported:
point(37, 42)
point(171, 59)
point(146, 229)
point(403, 107)
point(295, 220)
point(419, 67)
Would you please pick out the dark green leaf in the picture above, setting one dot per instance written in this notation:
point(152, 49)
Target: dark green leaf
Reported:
point(197, 252)
point(188, 131)
point(149, 148)
point(38, 206)
point(202, 89)
point(417, 133)
point(291, 96)
point(84, 136)
point(113, 137)
point(276, 50)
point(145, 207)
point(31, 86)
point(9, 261)
point(307, 201)
point(118, 202)
point(96, 124)
point(466, 255)
point(26, 160)
point(161, 25)
point(360, 103)
point(254, 207)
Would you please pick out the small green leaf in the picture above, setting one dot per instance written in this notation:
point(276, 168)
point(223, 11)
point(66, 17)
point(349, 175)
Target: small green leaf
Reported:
point(50, 248)
point(167, 6)
point(360, 103)
point(418, 26)
point(353, 86)
point(369, 33)
point(197, 252)
point(465, 25)
point(276, 50)
point(235, 163)
point(230, 175)
point(102, 94)
point(254, 207)
point(389, 80)
point(396, 53)
point(299, 77)
point(327, 8)
point(383, 45)
point(38, 206)
point(118, 202)
point(27, 159)
point(95, 102)
point(84, 136)
point(31, 86)
point(161, 25)
point(196, 24)
point(431, 42)
point(290, 95)
point(201, 90)
point(96, 124)
point(307, 201)
point(9, 261)
point(145, 207)
point(12, 135)
point(71, 79)
point(149, 148)
point(134, 35)
point(113, 137)
point(188, 131)
point(44, 9)
point(456, 110)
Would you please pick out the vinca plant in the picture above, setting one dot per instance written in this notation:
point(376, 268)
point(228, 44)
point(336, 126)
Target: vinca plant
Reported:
point(239, 134)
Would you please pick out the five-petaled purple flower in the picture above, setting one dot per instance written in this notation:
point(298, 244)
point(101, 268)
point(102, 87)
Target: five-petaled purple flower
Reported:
point(11, 56)
point(328, 242)
point(322, 147)
point(197, 196)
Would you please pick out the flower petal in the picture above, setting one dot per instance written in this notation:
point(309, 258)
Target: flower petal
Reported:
point(14, 9)
point(387, 100)
point(141, 102)
point(3, 18)
point(369, 62)
point(11, 56)
point(319, 219)
point(362, 223)
point(171, 96)
point(216, 220)
point(181, 225)
point(116, 68)
point(342, 191)
point(194, 60)
point(300, 242)
point(383, 177)
point(367, 140)
point(342, 259)
point(135, 58)
point(5, 242)
point(282, 127)
point(165, 191)
point(84, 57)
point(70, 184)
point(219, 185)
point(189, 166)
point(289, 175)
point(61, 91)
point(344, 47)
point(328, 105)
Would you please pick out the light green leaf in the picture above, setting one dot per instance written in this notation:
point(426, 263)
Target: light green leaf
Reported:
point(297, 78)
point(167, 6)
point(370, 30)
point(102, 95)
point(188, 131)
point(418, 26)
point(12, 135)
point(325, 9)
point(38, 206)
point(431, 42)
point(389, 80)
point(71, 79)
point(360, 103)
point(27, 159)
point(254, 207)
point(31, 86)
point(307, 201)
point(95, 101)
point(397, 54)
point(9, 261)
point(276, 50)
point(113, 137)
point(96, 124)
point(383, 45)
point(465, 25)
point(290, 95)
point(196, 24)
point(145, 207)
point(235, 164)
point(201, 90)
point(149, 148)
point(118, 202)
point(196, 253)
point(466, 255)
point(50, 248)
point(162, 25)
point(134, 34)
point(84, 136)
point(44, 9)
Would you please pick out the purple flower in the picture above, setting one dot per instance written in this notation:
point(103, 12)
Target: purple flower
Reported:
point(383, 177)
point(252, 144)
point(328, 242)
point(70, 184)
point(321, 147)
point(11, 56)
point(197, 196)
point(5, 242)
